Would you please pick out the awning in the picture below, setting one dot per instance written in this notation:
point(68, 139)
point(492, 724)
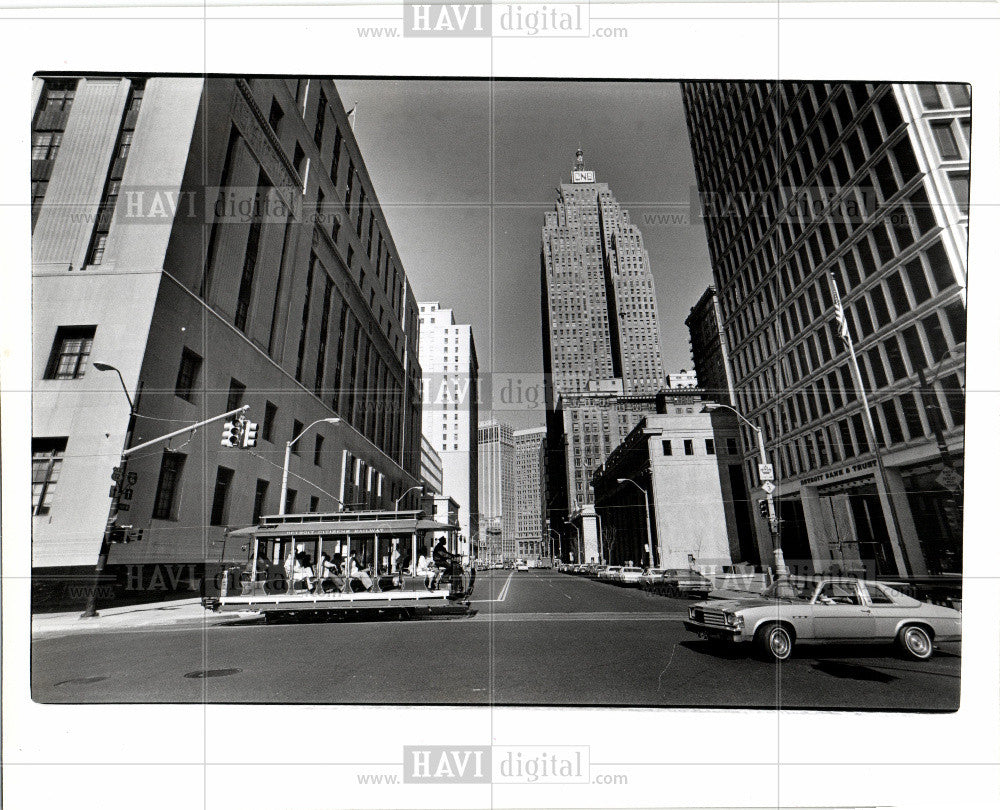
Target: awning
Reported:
point(432, 525)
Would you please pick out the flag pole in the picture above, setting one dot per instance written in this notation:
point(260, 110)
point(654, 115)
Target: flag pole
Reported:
point(895, 534)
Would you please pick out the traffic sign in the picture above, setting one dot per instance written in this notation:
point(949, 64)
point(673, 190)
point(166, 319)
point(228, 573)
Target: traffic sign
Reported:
point(766, 472)
point(950, 479)
point(768, 487)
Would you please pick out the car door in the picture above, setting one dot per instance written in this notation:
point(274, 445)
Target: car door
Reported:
point(839, 612)
point(886, 610)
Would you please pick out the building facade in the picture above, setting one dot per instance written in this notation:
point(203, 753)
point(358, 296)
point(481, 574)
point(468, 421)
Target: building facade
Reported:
point(600, 332)
point(497, 490)
point(530, 488)
point(237, 222)
point(708, 349)
point(431, 472)
point(863, 186)
point(688, 463)
point(682, 379)
point(451, 407)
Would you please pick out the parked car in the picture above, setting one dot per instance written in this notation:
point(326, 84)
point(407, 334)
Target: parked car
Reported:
point(609, 573)
point(684, 582)
point(521, 565)
point(826, 610)
point(650, 576)
point(629, 575)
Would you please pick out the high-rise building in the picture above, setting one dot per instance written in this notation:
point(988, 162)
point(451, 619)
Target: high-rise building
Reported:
point(431, 471)
point(866, 186)
point(497, 492)
point(451, 408)
point(598, 299)
point(682, 379)
point(600, 332)
point(711, 358)
point(530, 486)
point(218, 242)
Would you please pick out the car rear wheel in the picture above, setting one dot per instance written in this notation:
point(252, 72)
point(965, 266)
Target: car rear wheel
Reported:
point(915, 642)
point(774, 642)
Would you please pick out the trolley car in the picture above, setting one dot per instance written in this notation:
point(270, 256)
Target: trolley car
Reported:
point(336, 565)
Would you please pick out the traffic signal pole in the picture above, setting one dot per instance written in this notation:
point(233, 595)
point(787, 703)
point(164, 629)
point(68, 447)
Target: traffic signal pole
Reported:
point(90, 610)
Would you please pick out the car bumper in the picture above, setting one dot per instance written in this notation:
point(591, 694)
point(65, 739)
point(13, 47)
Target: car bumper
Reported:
point(714, 631)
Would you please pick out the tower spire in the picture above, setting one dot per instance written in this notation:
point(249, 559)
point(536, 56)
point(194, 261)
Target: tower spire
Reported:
point(578, 165)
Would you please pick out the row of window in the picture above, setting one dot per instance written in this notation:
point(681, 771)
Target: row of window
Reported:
point(667, 446)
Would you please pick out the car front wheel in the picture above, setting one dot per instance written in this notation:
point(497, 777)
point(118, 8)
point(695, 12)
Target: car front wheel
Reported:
point(774, 642)
point(915, 642)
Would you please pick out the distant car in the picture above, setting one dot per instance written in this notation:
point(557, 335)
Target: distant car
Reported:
point(522, 566)
point(629, 575)
point(610, 573)
point(684, 582)
point(826, 610)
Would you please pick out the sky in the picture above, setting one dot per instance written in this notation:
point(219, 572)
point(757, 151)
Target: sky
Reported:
point(465, 171)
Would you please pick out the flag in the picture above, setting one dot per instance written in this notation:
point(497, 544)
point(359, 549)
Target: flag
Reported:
point(838, 312)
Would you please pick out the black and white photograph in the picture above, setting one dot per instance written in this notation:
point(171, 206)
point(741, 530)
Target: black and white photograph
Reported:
point(268, 428)
point(487, 423)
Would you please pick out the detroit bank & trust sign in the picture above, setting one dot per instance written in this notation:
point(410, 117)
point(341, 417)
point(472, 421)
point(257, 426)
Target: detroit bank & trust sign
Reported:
point(843, 472)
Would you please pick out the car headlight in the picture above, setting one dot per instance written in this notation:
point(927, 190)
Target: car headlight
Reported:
point(691, 613)
point(733, 620)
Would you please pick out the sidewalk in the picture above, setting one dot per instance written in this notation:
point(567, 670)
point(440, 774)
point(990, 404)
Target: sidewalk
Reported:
point(126, 618)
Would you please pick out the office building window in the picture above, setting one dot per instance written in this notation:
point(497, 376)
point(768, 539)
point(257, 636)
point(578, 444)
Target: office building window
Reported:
point(70, 351)
point(168, 486)
point(318, 451)
point(731, 446)
point(689, 447)
point(320, 120)
point(259, 498)
point(220, 499)
point(275, 116)
point(290, 501)
point(944, 137)
point(296, 430)
point(305, 316)
point(245, 295)
point(270, 414)
point(236, 391)
point(187, 374)
point(710, 446)
point(46, 462)
point(313, 504)
point(338, 140)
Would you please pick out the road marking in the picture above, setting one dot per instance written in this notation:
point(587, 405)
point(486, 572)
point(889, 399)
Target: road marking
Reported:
point(501, 597)
point(578, 617)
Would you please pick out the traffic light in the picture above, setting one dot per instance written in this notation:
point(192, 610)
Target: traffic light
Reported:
point(232, 434)
point(249, 434)
point(762, 508)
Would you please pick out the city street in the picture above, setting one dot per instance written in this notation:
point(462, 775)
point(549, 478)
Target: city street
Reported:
point(538, 638)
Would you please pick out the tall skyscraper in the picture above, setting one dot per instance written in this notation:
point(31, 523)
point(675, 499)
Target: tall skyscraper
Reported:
point(865, 185)
point(600, 331)
point(497, 493)
point(280, 288)
point(598, 298)
point(451, 408)
point(530, 486)
point(711, 358)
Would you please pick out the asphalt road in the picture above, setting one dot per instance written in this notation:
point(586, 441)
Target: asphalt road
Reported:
point(547, 639)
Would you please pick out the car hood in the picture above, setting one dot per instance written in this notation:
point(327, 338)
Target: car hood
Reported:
point(741, 604)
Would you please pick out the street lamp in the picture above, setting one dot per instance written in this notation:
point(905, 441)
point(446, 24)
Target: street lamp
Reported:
point(331, 420)
point(90, 609)
point(649, 525)
point(400, 498)
point(576, 529)
point(772, 517)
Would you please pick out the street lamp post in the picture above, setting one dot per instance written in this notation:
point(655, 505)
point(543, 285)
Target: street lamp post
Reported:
point(90, 609)
point(400, 498)
point(576, 529)
point(552, 559)
point(332, 420)
point(649, 525)
point(772, 516)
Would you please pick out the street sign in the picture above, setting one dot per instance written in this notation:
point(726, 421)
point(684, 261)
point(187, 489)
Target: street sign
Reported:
point(766, 472)
point(768, 487)
point(950, 479)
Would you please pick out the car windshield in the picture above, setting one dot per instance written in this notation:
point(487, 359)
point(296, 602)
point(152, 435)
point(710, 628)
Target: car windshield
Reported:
point(795, 590)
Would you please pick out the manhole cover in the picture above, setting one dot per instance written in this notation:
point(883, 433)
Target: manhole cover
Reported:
point(95, 679)
point(211, 673)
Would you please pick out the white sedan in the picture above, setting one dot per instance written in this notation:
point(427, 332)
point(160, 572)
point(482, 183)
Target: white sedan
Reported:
point(826, 610)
